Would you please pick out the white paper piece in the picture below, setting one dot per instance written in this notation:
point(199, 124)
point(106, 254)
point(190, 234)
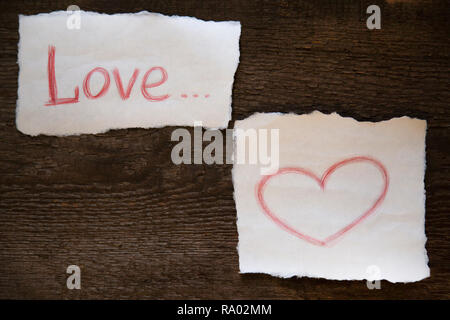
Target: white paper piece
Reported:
point(185, 72)
point(346, 203)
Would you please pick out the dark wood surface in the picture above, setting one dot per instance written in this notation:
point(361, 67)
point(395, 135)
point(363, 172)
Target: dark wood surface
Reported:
point(141, 227)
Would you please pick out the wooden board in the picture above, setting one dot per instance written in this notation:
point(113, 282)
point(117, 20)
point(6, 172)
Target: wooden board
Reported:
point(141, 227)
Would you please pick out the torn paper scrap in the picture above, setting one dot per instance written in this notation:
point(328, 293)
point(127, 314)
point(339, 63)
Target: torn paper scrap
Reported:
point(123, 70)
point(346, 202)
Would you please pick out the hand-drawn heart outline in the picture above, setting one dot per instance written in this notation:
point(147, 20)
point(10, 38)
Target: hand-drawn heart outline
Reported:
point(322, 183)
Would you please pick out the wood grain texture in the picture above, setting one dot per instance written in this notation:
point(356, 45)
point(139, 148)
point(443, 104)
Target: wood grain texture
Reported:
point(141, 227)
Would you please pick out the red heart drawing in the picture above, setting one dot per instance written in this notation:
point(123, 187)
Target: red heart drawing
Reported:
point(322, 183)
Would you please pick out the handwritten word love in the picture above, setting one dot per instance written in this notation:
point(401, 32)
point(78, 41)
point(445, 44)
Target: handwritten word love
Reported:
point(124, 94)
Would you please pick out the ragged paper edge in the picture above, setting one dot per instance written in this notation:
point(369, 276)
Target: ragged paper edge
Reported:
point(61, 12)
point(267, 117)
point(425, 202)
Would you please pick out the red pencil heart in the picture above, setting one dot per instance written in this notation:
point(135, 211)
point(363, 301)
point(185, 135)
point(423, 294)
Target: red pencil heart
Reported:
point(322, 181)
